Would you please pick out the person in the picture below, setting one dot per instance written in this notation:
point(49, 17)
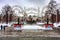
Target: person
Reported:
point(1, 27)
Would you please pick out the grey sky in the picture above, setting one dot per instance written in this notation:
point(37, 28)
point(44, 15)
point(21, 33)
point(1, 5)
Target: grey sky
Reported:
point(23, 2)
point(26, 3)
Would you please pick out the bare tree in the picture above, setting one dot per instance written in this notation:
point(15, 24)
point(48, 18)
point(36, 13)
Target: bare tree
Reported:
point(6, 10)
point(0, 18)
point(51, 8)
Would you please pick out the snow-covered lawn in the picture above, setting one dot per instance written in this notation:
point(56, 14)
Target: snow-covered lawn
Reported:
point(32, 27)
point(40, 23)
point(56, 24)
point(35, 26)
point(4, 24)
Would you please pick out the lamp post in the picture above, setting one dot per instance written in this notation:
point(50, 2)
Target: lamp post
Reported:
point(47, 14)
point(19, 16)
point(18, 20)
point(47, 20)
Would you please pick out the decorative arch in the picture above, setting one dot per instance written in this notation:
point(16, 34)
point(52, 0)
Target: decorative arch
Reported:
point(17, 9)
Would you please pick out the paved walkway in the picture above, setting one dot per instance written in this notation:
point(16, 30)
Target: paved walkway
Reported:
point(40, 33)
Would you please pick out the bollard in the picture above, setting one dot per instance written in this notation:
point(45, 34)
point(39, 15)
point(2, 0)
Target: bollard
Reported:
point(4, 28)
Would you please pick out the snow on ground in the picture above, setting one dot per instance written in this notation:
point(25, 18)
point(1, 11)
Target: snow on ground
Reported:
point(40, 23)
point(56, 24)
point(4, 24)
point(32, 27)
point(36, 27)
point(28, 26)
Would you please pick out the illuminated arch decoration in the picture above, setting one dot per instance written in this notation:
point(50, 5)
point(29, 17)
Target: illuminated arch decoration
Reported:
point(18, 10)
point(32, 11)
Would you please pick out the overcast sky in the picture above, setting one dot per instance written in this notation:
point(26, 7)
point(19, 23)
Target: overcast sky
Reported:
point(26, 3)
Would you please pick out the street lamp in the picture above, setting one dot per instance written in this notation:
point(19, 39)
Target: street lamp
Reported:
point(47, 14)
